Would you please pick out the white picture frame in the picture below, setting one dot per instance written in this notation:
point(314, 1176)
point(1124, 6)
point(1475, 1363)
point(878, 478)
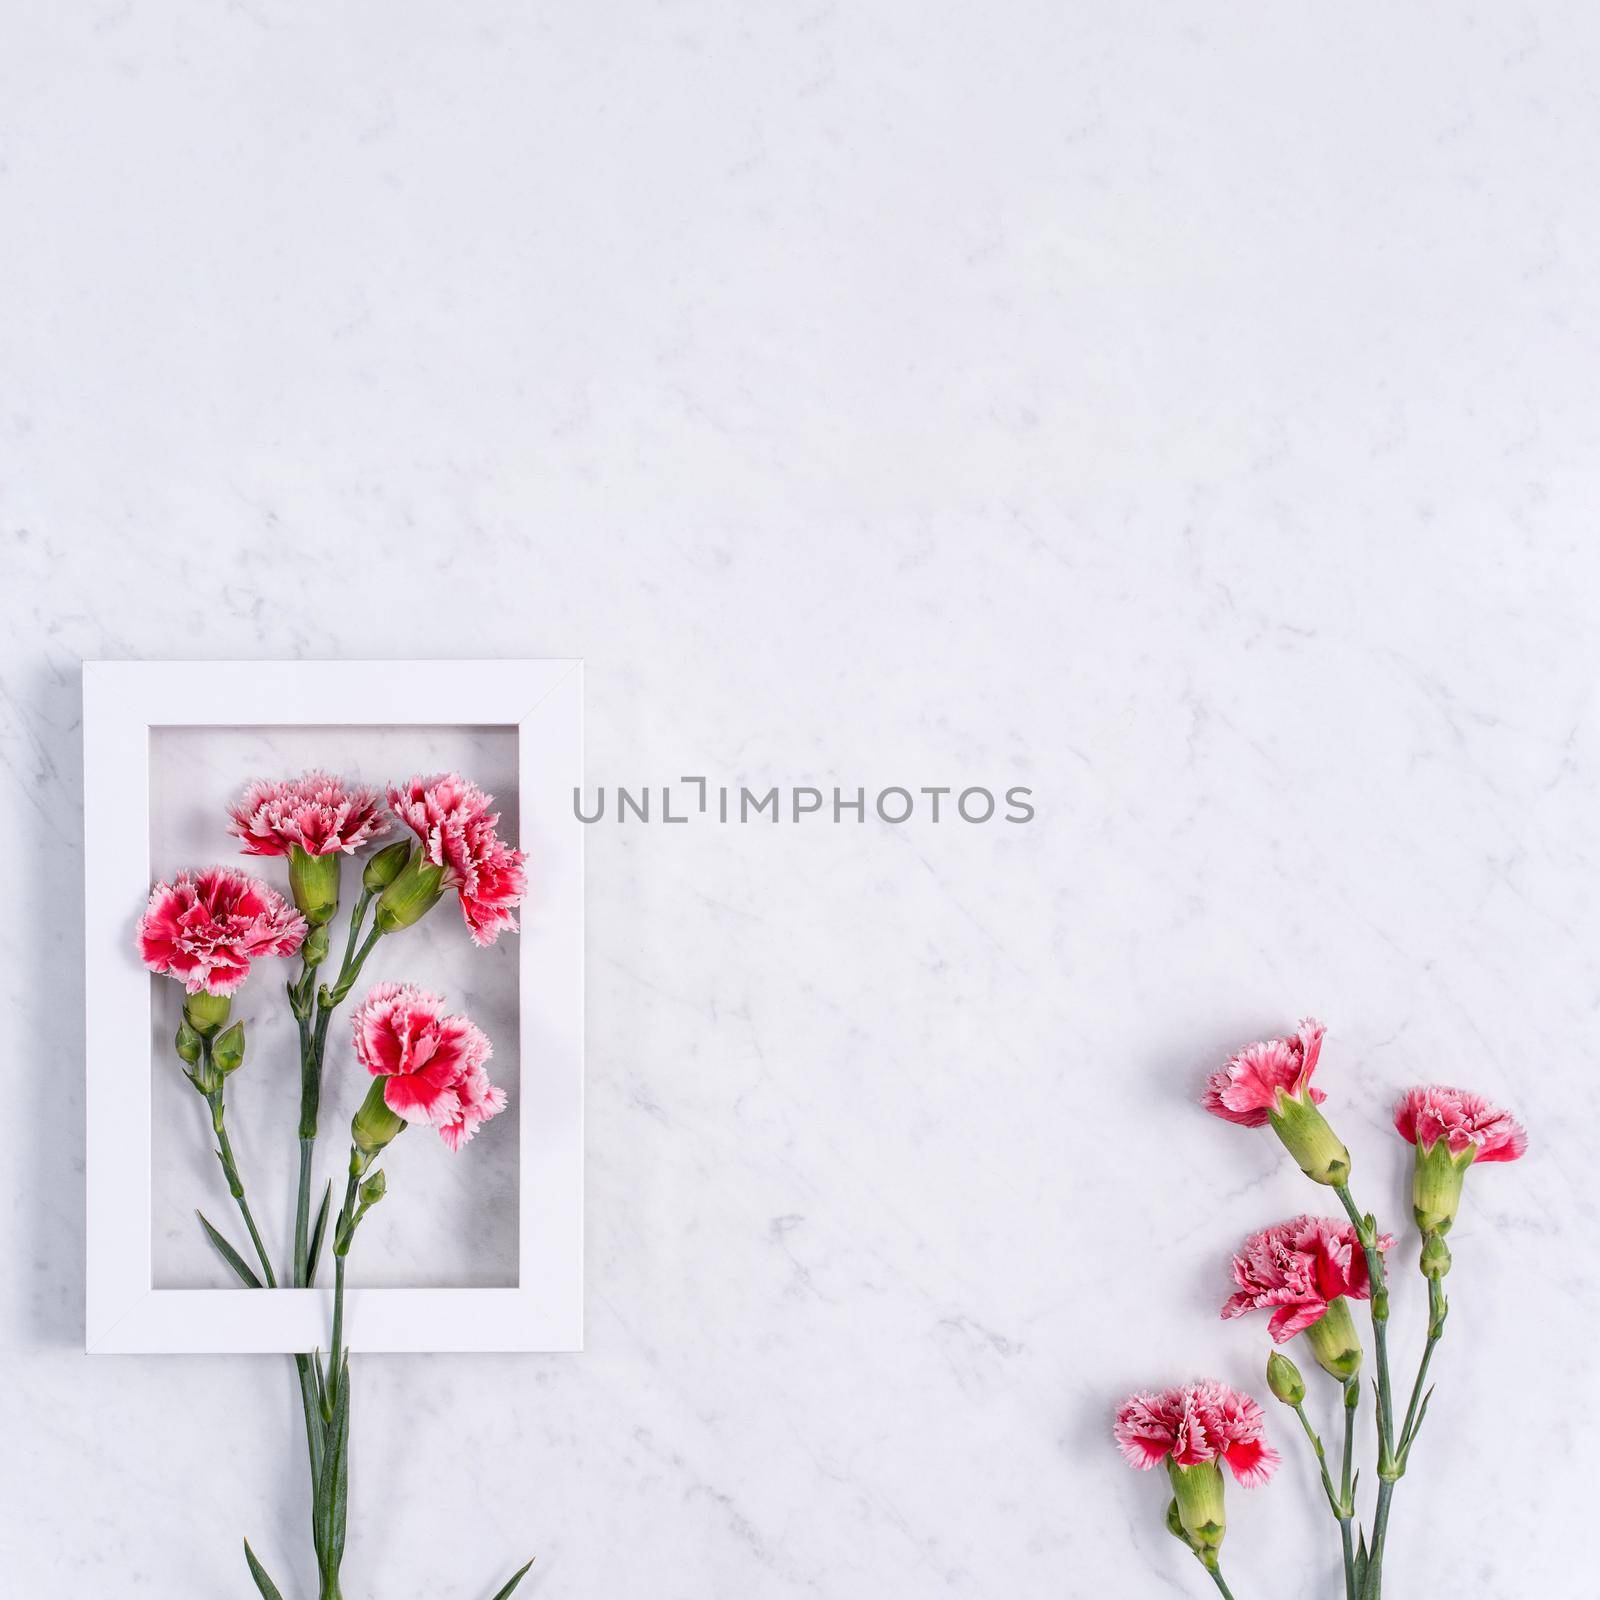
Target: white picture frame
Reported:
point(122, 702)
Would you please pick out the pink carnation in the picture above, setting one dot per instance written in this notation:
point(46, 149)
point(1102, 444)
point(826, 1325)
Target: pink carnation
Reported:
point(452, 819)
point(315, 811)
point(207, 928)
point(433, 1063)
point(1249, 1086)
point(1196, 1423)
point(1296, 1268)
point(1465, 1121)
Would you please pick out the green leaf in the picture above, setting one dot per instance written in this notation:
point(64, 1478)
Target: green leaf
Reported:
point(312, 1407)
point(1361, 1563)
point(314, 1249)
point(341, 1486)
point(516, 1578)
point(229, 1254)
point(268, 1588)
point(328, 1508)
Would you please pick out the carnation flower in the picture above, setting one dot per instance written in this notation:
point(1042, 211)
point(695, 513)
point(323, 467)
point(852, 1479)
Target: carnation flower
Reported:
point(1466, 1122)
point(1248, 1088)
point(313, 820)
point(460, 851)
point(1451, 1130)
point(1270, 1082)
point(1304, 1271)
point(206, 928)
point(1192, 1429)
point(315, 811)
point(1195, 1423)
point(478, 1100)
point(431, 1065)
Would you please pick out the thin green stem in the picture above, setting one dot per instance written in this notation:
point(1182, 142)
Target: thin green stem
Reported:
point(1341, 1502)
point(1217, 1578)
point(313, 1022)
point(338, 1320)
point(1347, 1496)
point(236, 1186)
point(357, 917)
point(1390, 1465)
point(1367, 1233)
point(1322, 1459)
point(1438, 1308)
point(213, 1084)
point(344, 1231)
point(1380, 1530)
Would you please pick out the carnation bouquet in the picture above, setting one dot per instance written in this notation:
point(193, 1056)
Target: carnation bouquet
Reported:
point(211, 929)
point(1305, 1273)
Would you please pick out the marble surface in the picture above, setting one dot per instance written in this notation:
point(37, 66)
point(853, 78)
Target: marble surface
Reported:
point(1188, 414)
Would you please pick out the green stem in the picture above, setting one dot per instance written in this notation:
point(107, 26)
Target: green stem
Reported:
point(1322, 1459)
point(236, 1184)
point(341, 1248)
point(312, 1019)
point(1380, 1529)
point(1437, 1309)
point(216, 1087)
point(1217, 1578)
point(1378, 1290)
point(313, 1045)
point(1347, 1497)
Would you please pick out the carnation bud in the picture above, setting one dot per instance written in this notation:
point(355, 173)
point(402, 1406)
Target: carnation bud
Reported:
point(384, 867)
point(315, 949)
point(1436, 1185)
point(1435, 1256)
point(228, 1051)
point(1335, 1342)
point(373, 1190)
point(1284, 1380)
point(314, 882)
point(1307, 1136)
point(187, 1043)
point(1201, 1515)
point(205, 1013)
point(374, 1125)
point(413, 893)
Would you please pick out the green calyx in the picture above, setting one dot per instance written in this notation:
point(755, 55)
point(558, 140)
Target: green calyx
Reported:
point(205, 1013)
point(1317, 1149)
point(374, 1126)
point(314, 883)
point(1436, 1186)
point(411, 895)
point(1197, 1493)
point(1335, 1342)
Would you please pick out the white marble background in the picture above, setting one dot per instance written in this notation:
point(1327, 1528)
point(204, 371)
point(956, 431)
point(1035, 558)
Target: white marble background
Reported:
point(1191, 412)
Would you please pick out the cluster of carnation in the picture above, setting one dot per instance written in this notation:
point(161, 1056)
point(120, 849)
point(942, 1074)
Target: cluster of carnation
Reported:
point(1304, 1273)
point(424, 1065)
point(207, 928)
